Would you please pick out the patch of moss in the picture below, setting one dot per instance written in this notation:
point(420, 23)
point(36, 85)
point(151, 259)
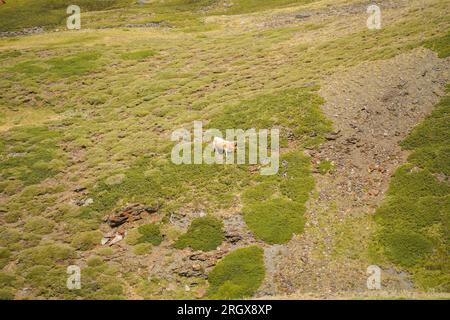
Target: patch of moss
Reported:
point(204, 234)
point(406, 248)
point(86, 240)
point(429, 140)
point(325, 166)
point(150, 233)
point(142, 248)
point(273, 209)
point(74, 65)
point(46, 280)
point(275, 220)
point(238, 275)
point(39, 225)
point(9, 236)
point(28, 155)
point(440, 45)
point(94, 261)
point(6, 294)
point(5, 255)
point(46, 255)
point(100, 281)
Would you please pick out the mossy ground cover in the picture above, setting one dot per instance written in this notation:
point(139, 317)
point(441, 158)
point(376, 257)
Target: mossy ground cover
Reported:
point(21, 14)
point(204, 234)
point(238, 275)
point(150, 233)
point(28, 155)
point(58, 67)
point(414, 218)
point(273, 209)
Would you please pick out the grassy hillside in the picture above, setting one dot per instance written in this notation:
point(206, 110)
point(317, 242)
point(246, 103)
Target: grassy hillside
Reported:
point(415, 217)
point(21, 14)
point(85, 123)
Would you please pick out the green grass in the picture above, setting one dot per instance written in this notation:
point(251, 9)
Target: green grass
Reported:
point(186, 14)
point(245, 6)
point(21, 14)
point(204, 234)
point(28, 155)
point(74, 65)
point(276, 220)
point(414, 218)
point(160, 181)
point(5, 255)
point(113, 118)
point(137, 55)
point(39, 225)
point(46, 255)
point(440, 45)
point(273, 209)
point(86, 240)
point(325, 166)
point(407, 248)
point(59, 67)
point(142, 248)
point(274, 206)
point(150, 233)
point(429, 140)
point(238, 275)
point(297, 111)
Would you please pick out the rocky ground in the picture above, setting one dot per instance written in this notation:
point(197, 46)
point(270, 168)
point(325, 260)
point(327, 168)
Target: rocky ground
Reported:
point(373, 107)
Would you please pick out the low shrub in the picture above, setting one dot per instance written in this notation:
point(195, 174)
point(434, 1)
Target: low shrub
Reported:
point(237, 275)
point(150, 233)
point(86, 240)
point(204, 234)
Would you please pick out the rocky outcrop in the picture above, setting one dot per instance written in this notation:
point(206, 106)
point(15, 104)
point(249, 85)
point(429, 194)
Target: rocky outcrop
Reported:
point(129, 213)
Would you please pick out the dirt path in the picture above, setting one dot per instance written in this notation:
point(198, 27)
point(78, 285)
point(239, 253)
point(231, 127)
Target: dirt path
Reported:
point(373, 107)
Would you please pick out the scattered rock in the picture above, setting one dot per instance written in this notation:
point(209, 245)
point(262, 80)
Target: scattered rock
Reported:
point(6, 34)
point(84, 202)
point(79, 189)
point(112, 238)
point(130, 213)
point(233, 236)
point(302, 15)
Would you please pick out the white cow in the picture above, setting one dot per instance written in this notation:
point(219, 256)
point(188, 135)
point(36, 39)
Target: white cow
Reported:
point(220, 145)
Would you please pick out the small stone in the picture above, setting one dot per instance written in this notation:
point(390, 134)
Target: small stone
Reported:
point(116, 239)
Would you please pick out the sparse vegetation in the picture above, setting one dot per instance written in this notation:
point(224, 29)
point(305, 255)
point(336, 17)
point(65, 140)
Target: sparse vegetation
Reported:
point(28, 156)
point(86, 240)
point(88, 114)
point(138, 55)
point(414, 217)
point(150, 233)
point(238, 275)
point(203, 234)
point(274, 209)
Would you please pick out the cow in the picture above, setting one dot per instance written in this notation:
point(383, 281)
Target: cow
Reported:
point(220, 145)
